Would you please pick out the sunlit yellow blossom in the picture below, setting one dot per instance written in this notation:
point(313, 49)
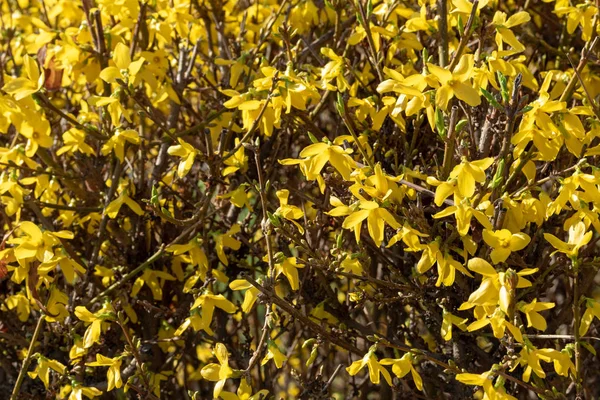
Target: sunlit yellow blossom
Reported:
point(578, 237)
point(218, 372)
point(504, 242)
point(375, 368)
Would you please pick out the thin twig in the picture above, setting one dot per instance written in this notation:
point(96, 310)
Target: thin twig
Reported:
point(27, 360)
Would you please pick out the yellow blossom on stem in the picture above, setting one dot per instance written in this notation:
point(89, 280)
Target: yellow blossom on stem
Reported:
point(504, 242)
point(237, 162)
point(531, 311)
point(244, 392)
point(113, 374)
point(206, 303)
point(187, 152)
point(218, 372)
point(468, 173)
point(486, 381)
point(43, 368)
point(375, 215)
point(273, 353)
point(23, 87)
point(95, 321)
point(289, 267)
point(288, 211)
point(578, 237)
point(117, 142)
point(448, 321)
point(124, 68)
point(227, 240)
point(493, 290)
point(402, 366)
point(455, 83)
point(250, 296)
point(592, 311)
point(375, 368)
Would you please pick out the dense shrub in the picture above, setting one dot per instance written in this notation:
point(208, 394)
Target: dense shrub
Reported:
point(299, 199)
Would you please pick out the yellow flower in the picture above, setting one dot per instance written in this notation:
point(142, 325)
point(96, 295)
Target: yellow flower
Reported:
point(207, 303)
point(402, 366)
point(57, 306)
point(107, 274)
point(124, 69)
point(448, 321)
point(238, 161)
point(250, 296)
point(273, 353)
point(531, 312)
point(464, 213)
point(74, 140)
point(94, 330)
point(581, 14)
point(151, 278)
point(318, 154)
point(195, 255)
point(218, 372)
point(485, 380)
point(498, 323)
point(577, 239)
point(112, 210)
point(409, 236)
point(37, 244)
point(287, 211)
point(113, 374)
point(185, 151)
point(455, 83)
point(21, 304)
point(530, 358)
point(69, 267)
point(493, 290)
point(375, 215)
point(504, 34)
point(592, 310)
point(446, 265)
point(117, 142)
point(239, 197)
point(334, 69)
point(375, 368)
point(227, 240)
point(289, 268)
point(43, 368)
point(244, 392)
point(23, 87)
point(77, 391)
point(468, 173)
point(504, 242)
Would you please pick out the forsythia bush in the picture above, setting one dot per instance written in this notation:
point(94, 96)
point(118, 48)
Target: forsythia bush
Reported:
point(265, 199)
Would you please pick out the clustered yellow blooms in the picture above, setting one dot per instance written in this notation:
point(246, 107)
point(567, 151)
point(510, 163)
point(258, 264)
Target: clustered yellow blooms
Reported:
point(119, 97)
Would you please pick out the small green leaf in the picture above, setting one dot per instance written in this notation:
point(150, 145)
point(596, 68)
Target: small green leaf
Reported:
point(340, 104)
point(588, 346)
point(275, 221)
point(154, 198)
point(313, 355)
point(503, 86)
point(439, 123)
point(525, 109)
point(490, 98)
point(460, 125)
point(499, 178)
